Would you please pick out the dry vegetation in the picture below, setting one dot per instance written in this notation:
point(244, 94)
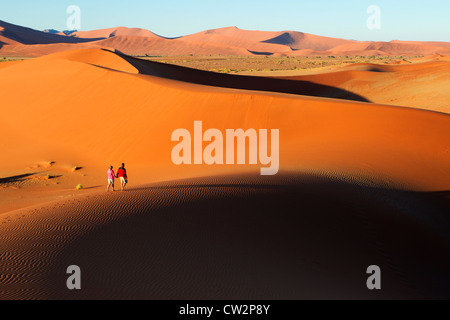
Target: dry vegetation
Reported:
point(5, 59)
point(234, 64)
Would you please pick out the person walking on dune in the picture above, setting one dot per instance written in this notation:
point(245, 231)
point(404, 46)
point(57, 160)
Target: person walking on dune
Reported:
point(110, 173)
point(122, 175)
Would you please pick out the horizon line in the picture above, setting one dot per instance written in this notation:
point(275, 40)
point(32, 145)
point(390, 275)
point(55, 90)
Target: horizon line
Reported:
point(217, 28)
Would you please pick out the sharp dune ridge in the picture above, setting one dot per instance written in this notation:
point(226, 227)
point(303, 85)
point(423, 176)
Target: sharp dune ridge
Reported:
point(20, 41)
point(11, 34)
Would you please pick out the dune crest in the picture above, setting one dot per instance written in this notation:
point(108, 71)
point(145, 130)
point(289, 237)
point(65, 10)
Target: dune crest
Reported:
point(20, 41)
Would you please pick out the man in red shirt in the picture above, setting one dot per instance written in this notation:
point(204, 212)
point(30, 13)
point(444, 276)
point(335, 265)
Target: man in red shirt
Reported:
point(122, 175)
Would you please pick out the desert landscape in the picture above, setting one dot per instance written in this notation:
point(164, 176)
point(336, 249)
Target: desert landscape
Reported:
point(364, 173)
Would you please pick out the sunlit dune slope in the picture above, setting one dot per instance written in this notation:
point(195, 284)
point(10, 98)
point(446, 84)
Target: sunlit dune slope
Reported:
point(91, 106)
point(419, 85)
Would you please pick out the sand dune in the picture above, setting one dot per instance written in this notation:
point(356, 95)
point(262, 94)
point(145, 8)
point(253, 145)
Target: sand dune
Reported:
point(393, 48)
point(11, 34)
point(173, 47)
point(16, 40)
point(234, 32)
point(318, 133)
point(301, 41)
point(239, 42)
point(263, 41)
point(113, 32)
point(410, 85)
point(352, 174)
point(426, 43)
point(226, 238)
point(133, 45)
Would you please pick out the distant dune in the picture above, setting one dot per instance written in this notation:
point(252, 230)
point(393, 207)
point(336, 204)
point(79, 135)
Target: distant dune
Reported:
point(11, 34)
point(20, 41)
point(113, 32)
point(407, 84)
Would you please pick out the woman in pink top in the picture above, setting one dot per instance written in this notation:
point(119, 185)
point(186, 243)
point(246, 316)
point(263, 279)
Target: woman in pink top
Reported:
point(110, 178)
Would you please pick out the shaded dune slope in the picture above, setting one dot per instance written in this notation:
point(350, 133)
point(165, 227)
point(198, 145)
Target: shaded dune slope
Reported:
point(235, 237)
point(13, 35)
point(300, 41)
point(299, 87)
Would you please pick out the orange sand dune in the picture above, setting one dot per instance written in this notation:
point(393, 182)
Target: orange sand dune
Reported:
point(359, 184)
point(392, 48)
point(69, 111)
point(11, 34)
point(239, 42)
point(419, 85)
point(160, 46)
point(302, 41)
point(434, 57)
point(8, 64)
point(234, 32)
point(133, 45)
point(16, 40)
point(235, 237)
point(426, 43)
point(112, 32)
point(263, 41)
point(38, 50)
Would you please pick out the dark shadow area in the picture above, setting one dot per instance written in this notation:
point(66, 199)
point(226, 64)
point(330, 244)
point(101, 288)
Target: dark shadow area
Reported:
point(29, 36)
point(94, 187)
point(264, 84)
point(17, 178)
point(261, 238)
point(370, 68)
point(284, 39)
point(261, 53)
point(375, 69)
point(54, 177)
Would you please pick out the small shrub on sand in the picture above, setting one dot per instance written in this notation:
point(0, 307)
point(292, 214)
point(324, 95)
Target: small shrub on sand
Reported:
point(48, 177)
point(79, 187)
point(76, 168)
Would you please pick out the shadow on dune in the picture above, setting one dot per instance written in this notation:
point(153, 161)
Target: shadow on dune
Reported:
point(260, 53)
point(29, 36)
point(283, 39)
point(277, 238)
point(297, 87)
point(17, 178)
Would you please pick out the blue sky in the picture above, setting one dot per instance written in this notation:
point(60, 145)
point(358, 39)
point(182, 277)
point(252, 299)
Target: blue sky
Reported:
point(400, 20)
